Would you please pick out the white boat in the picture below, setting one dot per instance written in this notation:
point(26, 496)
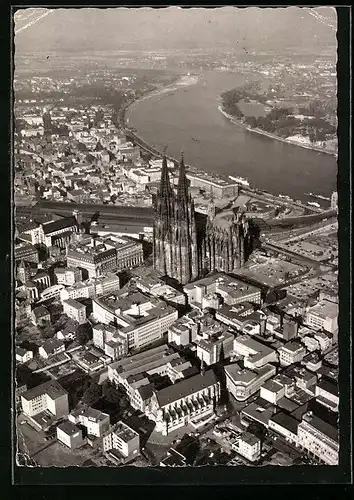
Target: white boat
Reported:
point(314, 204)
point(240, 180)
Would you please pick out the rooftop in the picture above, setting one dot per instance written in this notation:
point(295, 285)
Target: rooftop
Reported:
point(226, 283)
point(249, 438)
point(58, 225)
point(240, 312)
point(40, 311)
point(124, 432)
point(322, 426)
point(69, 428)
point(74, 304)
point(185, 388)
point(253, 345)
point(52, 388)
point(51, 345)
point(272, 386)
point(90, 413)
point(328, 385)
point(325, 309)
point(146, 364)
point(287, 421)
point(245, 376)
point(293, 346)
point(174, 459)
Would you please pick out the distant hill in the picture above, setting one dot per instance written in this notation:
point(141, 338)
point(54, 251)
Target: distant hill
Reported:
point(250, 29)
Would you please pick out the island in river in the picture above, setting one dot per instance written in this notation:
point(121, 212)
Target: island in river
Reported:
point(187, 119)
point(308, 126)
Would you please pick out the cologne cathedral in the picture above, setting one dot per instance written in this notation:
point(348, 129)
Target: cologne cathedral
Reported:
point(187, 245)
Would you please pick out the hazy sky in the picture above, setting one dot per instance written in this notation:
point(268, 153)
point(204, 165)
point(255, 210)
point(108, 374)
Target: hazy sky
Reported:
point(253, 29)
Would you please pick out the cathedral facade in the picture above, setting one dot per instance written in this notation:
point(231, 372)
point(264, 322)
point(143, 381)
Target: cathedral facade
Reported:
point(188, 245)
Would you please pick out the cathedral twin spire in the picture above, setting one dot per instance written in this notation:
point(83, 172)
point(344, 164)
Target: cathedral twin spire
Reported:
point(174, 229)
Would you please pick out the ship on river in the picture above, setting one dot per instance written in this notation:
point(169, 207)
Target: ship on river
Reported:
point(318, 196)
point(314, 204)
point(240, 180)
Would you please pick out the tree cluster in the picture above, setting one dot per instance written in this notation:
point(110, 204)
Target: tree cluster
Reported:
point(281, 121)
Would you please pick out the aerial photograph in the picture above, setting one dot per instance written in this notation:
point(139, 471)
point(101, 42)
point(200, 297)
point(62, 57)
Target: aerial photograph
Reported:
point(175, 269)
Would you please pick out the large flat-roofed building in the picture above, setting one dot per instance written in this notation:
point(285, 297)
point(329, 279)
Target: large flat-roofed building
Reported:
point(323, 315)
point(254, 353)
point(158, 288)
point(49, 396)
point(75, 310)
point(231, 290)
point(241, 317)
point(140, 318)
point(96, 259)
point(122, 439)
point(220, 188)
point(243, 383)
point(95, 421)
point(319, 438)
point(129, 252)
point(186, 401)
point(272, 390)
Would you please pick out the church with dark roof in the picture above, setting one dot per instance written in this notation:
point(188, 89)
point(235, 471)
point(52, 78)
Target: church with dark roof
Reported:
point(187, 245)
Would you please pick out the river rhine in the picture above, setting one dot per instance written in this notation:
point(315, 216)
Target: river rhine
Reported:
point(188, 120)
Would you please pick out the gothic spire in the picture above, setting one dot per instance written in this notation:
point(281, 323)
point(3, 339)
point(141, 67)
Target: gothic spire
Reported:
point(165, 192)
point(182, 180)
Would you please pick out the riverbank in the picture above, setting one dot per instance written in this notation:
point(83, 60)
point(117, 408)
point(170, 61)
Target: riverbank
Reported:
point(184, 81)
point(292, 141)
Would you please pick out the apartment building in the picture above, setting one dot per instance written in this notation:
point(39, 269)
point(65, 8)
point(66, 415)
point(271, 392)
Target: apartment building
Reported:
point(285, 425)
point(48, 396)
point(68, 276)
point(213, 341)
point(327, 393)
point(323, 316)
point(122, 441)
point(95, 421)
point(75, 310)
point(249, 446)
point(292, 352)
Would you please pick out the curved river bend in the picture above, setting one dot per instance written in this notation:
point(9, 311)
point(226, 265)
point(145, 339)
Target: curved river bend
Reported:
point(188, 120)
